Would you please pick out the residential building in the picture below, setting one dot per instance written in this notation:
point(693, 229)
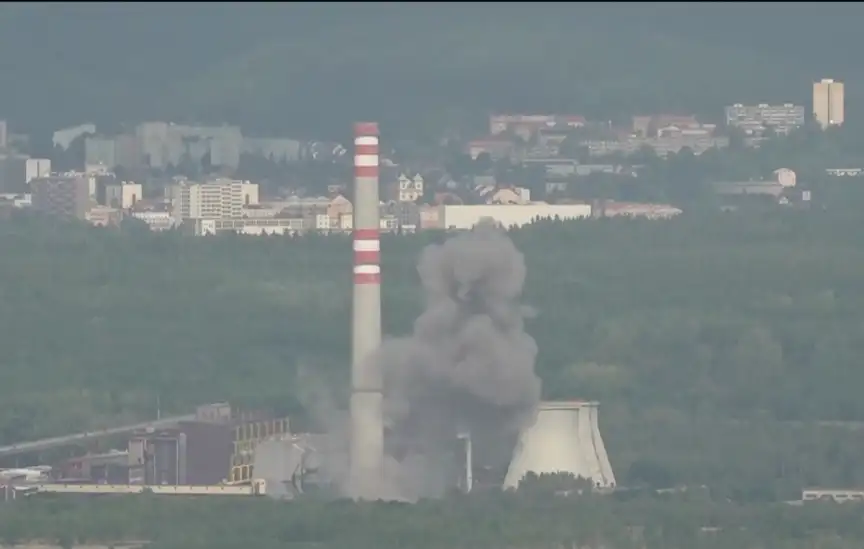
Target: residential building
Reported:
point(277, 150)
point(123, 196)
point(17, 170)
point(13, 172)
point(757, 118)
point(650, 125)
point(36, 167)
point(338, 206)
point(661, 146)
point(281, 226)
point(496, 146)
point(100, 151)
point(16, 200)
point(156, 221)
point(527, 125)
point(103, 216)
point(65, 195)
point(828, 102)
point(218, 199)
point(163, 144)
point(409, 189)
point(127, 151)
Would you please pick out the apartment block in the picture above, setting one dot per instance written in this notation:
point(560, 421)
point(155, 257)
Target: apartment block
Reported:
point(757, 118)
point(828, 102)
point(123, 196)
point(218, 199)
point(61, 195)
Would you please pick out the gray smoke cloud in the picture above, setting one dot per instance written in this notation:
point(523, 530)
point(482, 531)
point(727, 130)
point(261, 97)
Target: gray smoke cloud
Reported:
point(468, 365)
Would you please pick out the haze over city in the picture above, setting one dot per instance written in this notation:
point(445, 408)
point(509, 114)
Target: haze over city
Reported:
point(376, 274)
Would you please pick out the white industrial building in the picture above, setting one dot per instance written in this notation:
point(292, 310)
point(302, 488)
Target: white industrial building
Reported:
point(461, 216)
point(565, 438)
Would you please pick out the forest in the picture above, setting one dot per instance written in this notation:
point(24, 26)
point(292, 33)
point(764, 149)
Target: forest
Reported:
point(724, 347)
point(417, 69)
point(493, 520)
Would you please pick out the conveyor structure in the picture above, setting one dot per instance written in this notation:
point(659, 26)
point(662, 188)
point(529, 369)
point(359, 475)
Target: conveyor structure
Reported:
point(255, 488)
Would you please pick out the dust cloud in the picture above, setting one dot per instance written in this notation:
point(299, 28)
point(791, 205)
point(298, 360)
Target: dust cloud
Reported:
point(468, 365)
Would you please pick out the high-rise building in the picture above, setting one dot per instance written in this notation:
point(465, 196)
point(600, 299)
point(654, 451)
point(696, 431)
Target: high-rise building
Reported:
point(219, 199)
point(61, 195)
point(828, 101)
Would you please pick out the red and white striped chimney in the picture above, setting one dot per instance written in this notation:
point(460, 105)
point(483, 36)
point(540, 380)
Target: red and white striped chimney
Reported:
point(367, 425)
point(367, 249)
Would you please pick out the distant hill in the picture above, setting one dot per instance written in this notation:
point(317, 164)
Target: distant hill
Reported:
point(313, 67)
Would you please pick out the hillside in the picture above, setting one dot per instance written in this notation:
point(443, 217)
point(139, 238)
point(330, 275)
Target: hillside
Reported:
point(697, 335)
point(308, 67)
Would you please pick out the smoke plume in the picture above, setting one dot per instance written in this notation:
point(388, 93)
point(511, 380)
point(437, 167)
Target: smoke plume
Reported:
point(468, 365)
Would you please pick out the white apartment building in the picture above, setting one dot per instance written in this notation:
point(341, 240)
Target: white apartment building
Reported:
point(756, 118)
point(829, 102)
point(218, 199)
point(157, 221)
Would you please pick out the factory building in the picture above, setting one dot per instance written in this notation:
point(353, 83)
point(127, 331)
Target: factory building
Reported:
point(216, 447)
point(565, 438)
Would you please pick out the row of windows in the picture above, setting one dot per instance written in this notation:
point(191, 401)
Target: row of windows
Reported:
point(260, 430)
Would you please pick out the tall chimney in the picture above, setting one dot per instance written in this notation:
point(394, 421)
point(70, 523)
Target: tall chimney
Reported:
point(367, 428)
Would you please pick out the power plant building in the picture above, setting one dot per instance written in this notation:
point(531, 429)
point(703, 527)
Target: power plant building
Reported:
point(828, 102)
point(565, 438)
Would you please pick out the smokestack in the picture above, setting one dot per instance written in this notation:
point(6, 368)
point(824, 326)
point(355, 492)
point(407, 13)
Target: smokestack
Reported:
point(367, 429)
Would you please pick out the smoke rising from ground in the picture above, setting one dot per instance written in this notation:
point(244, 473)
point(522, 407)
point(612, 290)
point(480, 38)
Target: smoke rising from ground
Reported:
point(468, 366)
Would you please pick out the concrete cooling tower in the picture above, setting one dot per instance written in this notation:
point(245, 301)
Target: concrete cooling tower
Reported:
point(565, 438)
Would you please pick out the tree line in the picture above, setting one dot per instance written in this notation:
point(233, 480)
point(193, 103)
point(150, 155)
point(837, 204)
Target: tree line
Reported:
point(490, 520)
point(719, 344)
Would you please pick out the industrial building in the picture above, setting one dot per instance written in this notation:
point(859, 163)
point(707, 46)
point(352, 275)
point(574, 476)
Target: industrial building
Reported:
point(208, 450)
point(565, 438)
point(828, 103)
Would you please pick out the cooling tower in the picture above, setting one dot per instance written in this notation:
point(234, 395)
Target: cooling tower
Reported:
point(565, 438)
